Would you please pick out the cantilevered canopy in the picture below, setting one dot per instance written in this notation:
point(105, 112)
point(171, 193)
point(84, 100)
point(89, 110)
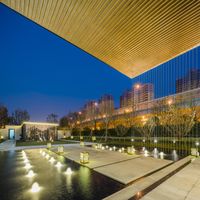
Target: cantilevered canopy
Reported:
point(132, 36)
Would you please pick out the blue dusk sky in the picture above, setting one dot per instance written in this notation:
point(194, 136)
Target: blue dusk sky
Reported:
point(43, 73)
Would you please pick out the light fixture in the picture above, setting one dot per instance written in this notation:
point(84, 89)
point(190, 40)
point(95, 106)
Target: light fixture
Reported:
point(84, 157)
point(51, 160)
point(43, 153)
point(35, 187)
point(28, 166)
point(26, 160)
point(146, 153)
point(161, 155)
point(30, 174)
point(68, 171)
point(197, 143)
point(58, 165)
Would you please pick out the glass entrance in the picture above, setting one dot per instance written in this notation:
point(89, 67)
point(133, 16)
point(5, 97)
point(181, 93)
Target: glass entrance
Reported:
point(11, 134)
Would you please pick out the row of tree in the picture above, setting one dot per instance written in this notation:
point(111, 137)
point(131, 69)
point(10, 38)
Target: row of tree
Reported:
point(175, 119)
point(19, 116)
point(16, 118)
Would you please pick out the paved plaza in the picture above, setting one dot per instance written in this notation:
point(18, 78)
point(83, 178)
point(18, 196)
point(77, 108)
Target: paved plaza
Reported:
point(185, 185)
point(110, 163)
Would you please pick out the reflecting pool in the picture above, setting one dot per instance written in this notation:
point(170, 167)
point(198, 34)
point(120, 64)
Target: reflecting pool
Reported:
point(45, 181)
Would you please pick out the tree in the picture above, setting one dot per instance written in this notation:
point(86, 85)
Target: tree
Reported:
point(122, 123)
point(3, 116)
point(64, 122)
point(178, 118)
point(19, 116)
point(52, 118)
point(147, 126)
point(107, 115)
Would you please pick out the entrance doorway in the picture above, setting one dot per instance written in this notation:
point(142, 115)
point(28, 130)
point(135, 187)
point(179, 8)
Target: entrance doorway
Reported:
point(11, 134)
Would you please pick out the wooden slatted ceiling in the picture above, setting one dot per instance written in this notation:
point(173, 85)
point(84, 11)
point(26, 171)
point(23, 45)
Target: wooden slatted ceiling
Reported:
point(131, 36)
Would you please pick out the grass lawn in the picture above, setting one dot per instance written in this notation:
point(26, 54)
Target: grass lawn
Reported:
point(35, 143)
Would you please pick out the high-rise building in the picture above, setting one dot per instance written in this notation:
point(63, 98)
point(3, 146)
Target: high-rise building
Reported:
point(138, 94)
point(106, 104)
point(142, 92)
point(126, 99)
point(188, 82)
point(91, 110)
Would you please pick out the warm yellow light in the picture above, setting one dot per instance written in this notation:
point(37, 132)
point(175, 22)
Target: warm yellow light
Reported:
point(26, 160)
point(47, 156)
point(58, 165)
point(43, 153)
point(30, 174)
point(169, 102)
point(137, 86)
point(161, 155)
point(28, 166)
point(68, 171)
point(35, 187)
point(146, 153)
point(52, 160)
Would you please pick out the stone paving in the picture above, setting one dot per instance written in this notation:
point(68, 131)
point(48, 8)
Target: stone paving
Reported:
point(185, 185)
point(7, 145)
point(97, 157)
point(130, 170)
point(139, 188)
point(121, 167)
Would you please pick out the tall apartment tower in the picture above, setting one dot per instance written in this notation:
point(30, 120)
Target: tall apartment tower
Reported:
point(142, 92)
point(138, 94)
point(126, 99)
point(106, 104)
point(91, 110)
point(188, 82)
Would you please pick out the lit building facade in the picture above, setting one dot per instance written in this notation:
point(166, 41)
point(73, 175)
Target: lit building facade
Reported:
point(138, 94)
point(189, 82)
point(106, 104)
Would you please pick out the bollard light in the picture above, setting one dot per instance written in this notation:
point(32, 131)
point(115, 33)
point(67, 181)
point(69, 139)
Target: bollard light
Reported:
point(60, 149)
point(82, 143)
point(49, 145)
point(130, 150)
point(84, 157)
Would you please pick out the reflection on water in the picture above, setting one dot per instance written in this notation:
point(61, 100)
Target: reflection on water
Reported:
point(175, 156)
point(83, 183)
point(158, 153)
point(155, 153)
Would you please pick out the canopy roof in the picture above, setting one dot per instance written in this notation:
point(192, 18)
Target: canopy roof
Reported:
point(132, 36)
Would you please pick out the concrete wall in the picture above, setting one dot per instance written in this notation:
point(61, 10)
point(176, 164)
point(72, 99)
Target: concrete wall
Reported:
point(4, 132)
